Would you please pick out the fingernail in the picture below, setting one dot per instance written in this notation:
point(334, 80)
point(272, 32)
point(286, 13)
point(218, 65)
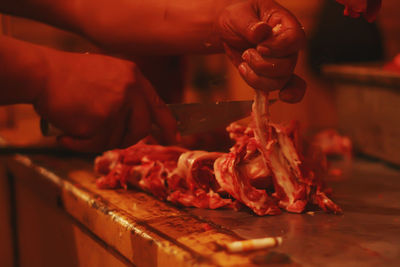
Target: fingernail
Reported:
point(242, 69)
point(263, 50)
point(261, 30)
point(276, 30)
point(246, 56)
point(256, 25)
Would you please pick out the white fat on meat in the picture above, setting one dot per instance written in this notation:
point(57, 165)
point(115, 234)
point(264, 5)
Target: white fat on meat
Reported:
point(263, 153)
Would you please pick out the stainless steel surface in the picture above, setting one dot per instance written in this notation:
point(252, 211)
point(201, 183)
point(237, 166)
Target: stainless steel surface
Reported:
point(192, 117)
point(367, 234)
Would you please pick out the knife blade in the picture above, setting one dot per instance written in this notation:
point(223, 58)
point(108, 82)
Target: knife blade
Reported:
point(192, 117)
point(203, 117)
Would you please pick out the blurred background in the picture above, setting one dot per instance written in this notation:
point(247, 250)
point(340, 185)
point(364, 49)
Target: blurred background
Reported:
point(332, 38)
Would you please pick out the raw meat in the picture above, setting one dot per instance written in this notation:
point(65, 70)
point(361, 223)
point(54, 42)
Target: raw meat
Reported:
point(169, 173)
point(264, 170)
point(369, 8)
point(330, 142)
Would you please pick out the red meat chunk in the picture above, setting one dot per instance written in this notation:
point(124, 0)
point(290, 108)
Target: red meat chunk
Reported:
point(264, 170)
point(369, 8)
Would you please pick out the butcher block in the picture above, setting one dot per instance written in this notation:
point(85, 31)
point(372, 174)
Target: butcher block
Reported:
point(60, 218)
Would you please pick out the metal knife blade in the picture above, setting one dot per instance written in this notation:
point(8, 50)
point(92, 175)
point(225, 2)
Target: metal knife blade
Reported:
point(193, 117)
point(203, 117)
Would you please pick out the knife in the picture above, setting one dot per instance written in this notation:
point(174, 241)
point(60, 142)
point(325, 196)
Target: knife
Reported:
point(192, 117)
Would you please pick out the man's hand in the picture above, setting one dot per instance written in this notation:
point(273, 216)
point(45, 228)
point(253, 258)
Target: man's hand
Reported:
point(100, 102)
point(263, 40)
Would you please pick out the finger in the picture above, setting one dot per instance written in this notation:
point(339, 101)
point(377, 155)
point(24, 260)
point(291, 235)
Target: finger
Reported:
point(294, 90)
point(246, 29)
point(113, 135)
point(159, 110)
point(117, 127)
point(124, 132)
point(288, 36)
point(138, 121)
point(257, 31)
point(288, 42)
point(233, 54)
point(108, 137)
point(260, 82)
point(270, 67)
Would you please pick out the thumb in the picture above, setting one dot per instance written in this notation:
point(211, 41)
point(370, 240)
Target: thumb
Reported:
point(240, 26)
point(258, 32)
point(294, 90)
point(248, 24)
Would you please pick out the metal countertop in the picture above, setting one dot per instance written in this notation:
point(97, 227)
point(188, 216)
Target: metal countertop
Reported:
point(367, 234)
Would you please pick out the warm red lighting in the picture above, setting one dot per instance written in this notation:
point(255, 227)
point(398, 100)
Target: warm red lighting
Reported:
point(369, 8)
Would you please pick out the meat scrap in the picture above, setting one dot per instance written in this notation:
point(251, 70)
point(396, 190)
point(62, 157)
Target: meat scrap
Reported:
point(264, 170)
point(169, 173)
point(369, 8)
point(330, 142)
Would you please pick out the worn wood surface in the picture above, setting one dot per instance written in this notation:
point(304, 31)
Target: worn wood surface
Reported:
point(143, 230)
point(47, 236)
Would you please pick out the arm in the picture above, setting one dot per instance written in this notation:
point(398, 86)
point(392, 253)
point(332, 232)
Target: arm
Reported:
point(132, 26)
point(98, 101)
point(21, 74)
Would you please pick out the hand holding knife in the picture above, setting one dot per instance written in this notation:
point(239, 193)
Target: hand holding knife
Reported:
point(192, 117)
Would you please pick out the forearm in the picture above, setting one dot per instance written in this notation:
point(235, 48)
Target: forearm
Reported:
point(155, 26)
point(22, 71)
point(59, 13)
point(132, 26)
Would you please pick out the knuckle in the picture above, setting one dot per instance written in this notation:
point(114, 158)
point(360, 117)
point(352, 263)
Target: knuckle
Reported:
point(257, 63)
point(223, 23)
point(158, 103)
point(84, 130)
point(90, 126)
point(274, 84)
point(155, 102)
point(251, 78)
point(259, 83)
